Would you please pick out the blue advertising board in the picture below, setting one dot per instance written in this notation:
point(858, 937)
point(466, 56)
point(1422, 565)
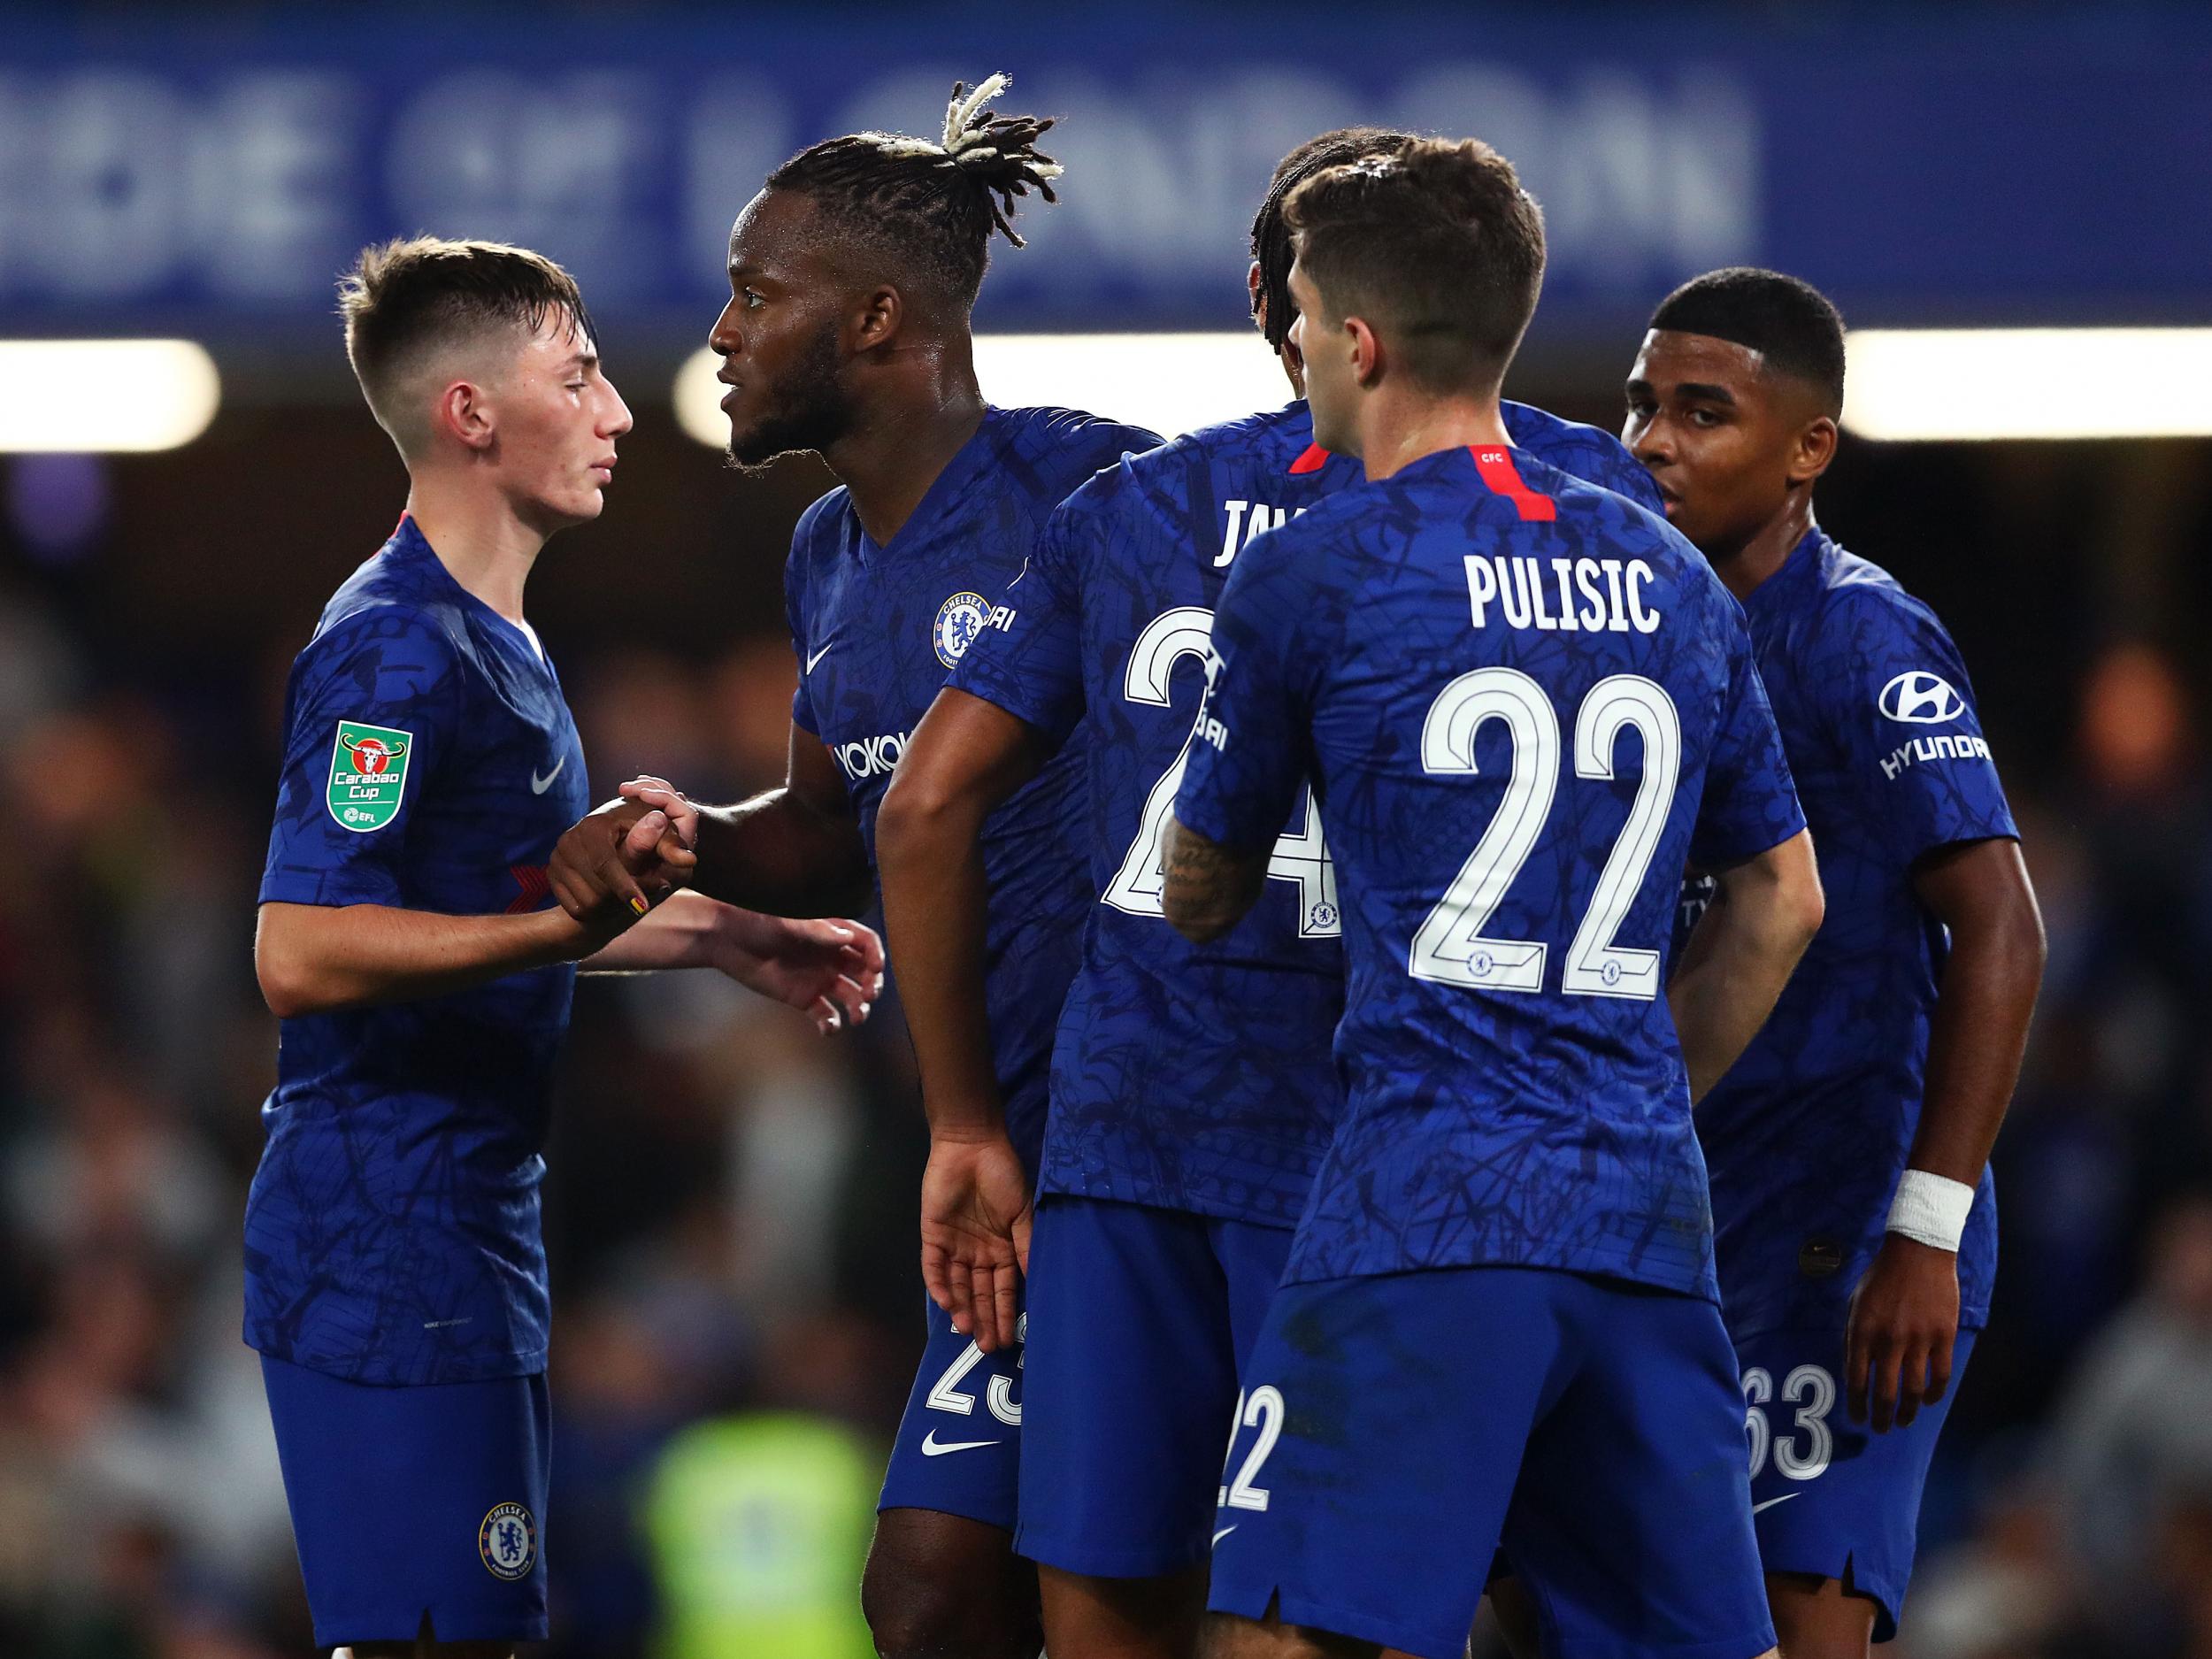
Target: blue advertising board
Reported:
point(213, 174)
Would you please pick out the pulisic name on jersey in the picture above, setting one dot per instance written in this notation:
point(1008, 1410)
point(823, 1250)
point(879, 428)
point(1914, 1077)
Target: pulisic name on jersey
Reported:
point(1595, 596)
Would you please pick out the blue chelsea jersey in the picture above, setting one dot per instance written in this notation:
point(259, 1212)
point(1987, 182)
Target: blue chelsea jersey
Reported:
point(877, 629)
point(1194, 1077)
point(1807, 1133)
point(1524, 702)
point(430, 764)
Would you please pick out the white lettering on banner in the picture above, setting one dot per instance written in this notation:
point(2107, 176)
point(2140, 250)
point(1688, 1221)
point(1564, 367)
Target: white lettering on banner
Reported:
point(138, 176)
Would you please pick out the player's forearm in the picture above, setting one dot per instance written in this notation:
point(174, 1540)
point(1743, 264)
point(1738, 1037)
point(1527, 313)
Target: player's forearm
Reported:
point(1977, 1036)
point(1207, 887)
point(1764, 913)
point(936, 900)
point(777, 853)
point(685, 930)
point(314, 959)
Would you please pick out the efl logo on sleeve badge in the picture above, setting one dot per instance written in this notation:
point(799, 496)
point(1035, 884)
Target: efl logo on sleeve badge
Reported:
point(368, 770)
point(508, 1541)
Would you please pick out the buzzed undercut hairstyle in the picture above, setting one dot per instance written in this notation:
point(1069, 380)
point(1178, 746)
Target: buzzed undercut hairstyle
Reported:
point(1271, 236)
point(1791, 324)
point(928, 210)
point(1436, 246)
point(412, 303)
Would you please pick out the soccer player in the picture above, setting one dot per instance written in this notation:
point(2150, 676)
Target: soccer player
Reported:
point(852, 275)
point(395, 1282)
point(1849, 1147)
point(1194, 1089)
point(1520, 701)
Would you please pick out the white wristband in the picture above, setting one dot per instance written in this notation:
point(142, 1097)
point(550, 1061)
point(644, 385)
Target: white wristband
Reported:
point(1931, 1210)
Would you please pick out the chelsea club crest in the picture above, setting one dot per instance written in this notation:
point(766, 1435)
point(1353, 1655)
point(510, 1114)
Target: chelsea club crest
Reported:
point(508, 1541)
point(959, 619)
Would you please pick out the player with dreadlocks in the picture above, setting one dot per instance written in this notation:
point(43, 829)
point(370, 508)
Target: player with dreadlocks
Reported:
point(1194, 1088)
point(851, 275)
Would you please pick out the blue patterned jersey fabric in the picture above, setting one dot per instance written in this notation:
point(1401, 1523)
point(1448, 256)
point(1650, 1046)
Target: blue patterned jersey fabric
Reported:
point(392, 1231)
point(1193, 1078)
point(877, 629)
point(1524, 701)
point(1807, 1135)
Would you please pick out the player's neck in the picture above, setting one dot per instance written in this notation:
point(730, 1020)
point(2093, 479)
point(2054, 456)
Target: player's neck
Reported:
point(477, 536)
point(1767, 550)
point(1397, 428)
point(905, 434)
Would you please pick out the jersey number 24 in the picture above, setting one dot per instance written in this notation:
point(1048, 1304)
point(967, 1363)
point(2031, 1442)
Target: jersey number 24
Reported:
point(1301, 857)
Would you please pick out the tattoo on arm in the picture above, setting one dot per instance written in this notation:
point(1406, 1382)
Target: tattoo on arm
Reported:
point(1209, 886)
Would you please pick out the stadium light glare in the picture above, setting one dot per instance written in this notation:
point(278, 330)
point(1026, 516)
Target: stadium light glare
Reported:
point(1169, 382)
point(105, 396)
point(1940, 384)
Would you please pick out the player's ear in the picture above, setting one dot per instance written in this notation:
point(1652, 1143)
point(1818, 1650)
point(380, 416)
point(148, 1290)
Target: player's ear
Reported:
point(463, 413)
point(1367, 351)
point(876, 322)
point(1815, 447)
point(1259, 300)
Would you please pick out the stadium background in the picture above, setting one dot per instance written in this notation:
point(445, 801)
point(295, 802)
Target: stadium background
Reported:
point(731, 1202)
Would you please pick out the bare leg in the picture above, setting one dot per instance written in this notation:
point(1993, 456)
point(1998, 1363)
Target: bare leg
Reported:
point(1122, 1618)
point(941, 1587)
point(427, 1646)
point(1229, 1637)
point(1817, 1618)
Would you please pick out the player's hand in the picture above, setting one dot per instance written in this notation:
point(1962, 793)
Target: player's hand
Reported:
point(680, 815)
point(975, 1235)
point(832, 969)
point(592, 864)
point(1904, 1323)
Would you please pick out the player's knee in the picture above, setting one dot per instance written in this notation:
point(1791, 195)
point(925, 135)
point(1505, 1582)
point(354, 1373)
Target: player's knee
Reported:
point(918, 1608)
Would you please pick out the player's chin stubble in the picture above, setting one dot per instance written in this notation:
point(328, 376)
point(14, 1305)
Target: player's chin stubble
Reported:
point(809, 409)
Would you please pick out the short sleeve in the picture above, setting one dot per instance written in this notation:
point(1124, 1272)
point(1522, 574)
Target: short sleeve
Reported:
point(1895, 699)
point(795, 618)
point(1030, 663)
point(373, 705)
point(1250, 749)
point(1750, 801)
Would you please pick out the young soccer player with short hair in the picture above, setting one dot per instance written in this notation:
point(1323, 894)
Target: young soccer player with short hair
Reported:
point(1521, 701)
point(1856, 1225)
point(1194, 1088)
point(852, 277)
point(396, 1281)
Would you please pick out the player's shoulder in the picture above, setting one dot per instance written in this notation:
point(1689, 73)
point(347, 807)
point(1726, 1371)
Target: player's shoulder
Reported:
point(1183, 469)
point(391, 599)
point(1066, 446)
point(1855, 602)
point(1582, 451)
point(819, 533)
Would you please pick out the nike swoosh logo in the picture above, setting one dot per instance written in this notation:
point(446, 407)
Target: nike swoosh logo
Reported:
point(810, 661)
point(539, 785)
point(932, 1446)
point(1224, 1533)
point(1770, 1503)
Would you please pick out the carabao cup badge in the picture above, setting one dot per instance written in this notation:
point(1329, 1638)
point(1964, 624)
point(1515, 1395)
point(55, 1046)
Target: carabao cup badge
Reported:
point(368, 770)
point(508, 1540)
point(959, 619)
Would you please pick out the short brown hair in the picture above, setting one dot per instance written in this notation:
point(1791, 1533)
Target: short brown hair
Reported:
point(409, 302)
point(1436, 244)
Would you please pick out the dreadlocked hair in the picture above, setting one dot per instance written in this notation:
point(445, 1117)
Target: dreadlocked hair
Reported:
point(1272, 306)
point(932, 207)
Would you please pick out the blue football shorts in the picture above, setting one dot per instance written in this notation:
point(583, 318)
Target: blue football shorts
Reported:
point(1139, 1320)
point(408, 1501)
point(959, 1447)
point(1399, 1432)
point(1830, 1497)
